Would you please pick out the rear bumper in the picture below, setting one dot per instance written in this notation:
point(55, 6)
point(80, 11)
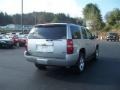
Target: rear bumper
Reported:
point(70, 60)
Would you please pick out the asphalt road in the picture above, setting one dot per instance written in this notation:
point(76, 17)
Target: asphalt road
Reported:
point(18, 74)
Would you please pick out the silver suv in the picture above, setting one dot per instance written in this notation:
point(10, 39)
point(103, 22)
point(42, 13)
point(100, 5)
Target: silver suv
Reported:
point(60, 44)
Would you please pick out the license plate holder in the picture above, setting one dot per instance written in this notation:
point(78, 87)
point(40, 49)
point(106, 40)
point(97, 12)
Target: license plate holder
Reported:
point(41, 48)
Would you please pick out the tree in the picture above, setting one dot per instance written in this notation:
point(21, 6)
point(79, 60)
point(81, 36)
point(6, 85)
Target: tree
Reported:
point(5, 19)
point(93, 17)
point(38, 18)
point(16, 19)
point(113, 17)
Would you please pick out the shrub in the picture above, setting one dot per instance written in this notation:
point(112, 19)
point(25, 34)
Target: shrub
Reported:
point(116, 26)
point(107, 28)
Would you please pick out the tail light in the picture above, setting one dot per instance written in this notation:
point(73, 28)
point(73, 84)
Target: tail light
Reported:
point(70, 48)
point(26, 45)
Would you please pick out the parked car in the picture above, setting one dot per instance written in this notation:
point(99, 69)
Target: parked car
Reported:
point(6, 42)
point(22, 39)
point(15, 39)
point(61, 44)
point(112, 36)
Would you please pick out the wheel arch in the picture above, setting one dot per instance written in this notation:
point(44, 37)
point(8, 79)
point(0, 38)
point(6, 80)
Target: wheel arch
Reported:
point(97, 46)
point(82, 50)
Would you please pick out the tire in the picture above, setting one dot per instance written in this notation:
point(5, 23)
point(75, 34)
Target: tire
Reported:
point(80, 64)
point(40, 67)
point(11, 46)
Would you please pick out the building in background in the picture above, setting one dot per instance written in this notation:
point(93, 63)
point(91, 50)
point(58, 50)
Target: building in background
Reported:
point(16, 27)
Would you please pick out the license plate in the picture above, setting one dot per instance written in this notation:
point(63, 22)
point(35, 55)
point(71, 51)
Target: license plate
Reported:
point(45, 48)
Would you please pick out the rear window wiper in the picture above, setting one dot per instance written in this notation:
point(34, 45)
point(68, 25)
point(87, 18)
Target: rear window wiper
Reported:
point(53, 39)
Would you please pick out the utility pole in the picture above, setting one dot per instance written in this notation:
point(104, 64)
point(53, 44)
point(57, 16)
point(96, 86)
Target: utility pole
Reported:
point(22, 16)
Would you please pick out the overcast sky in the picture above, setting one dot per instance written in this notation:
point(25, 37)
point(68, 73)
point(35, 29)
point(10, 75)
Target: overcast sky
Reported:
point(72, 7)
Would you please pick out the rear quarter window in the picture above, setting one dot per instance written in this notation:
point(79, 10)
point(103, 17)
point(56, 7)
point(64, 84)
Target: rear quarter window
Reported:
point(75, 31)
point(84, 34)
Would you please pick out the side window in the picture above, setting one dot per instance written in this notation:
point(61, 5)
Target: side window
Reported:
point(84, 33)
point(89, 35)
point(75, 31)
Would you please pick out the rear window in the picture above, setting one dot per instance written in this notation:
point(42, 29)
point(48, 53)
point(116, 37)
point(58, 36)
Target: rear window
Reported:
point(112, 34)
point(48, 32)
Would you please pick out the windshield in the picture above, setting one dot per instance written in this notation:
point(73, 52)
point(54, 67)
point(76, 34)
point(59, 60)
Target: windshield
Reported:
point(48, 32)
point(22, 36)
